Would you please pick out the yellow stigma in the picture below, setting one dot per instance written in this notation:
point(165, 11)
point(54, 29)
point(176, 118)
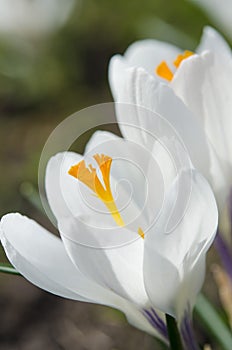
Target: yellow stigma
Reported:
point(88, 176)
point(163, 71)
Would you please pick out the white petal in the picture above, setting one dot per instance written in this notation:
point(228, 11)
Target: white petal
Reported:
point(62, 189)
point(147, 54)
point(116, 73)
point(191, 284)
point(101, 255)
point(173, 253)
point(197, 219)
point(102, 138)
point(41, 258)
point(212, 41)
point(169, 121)
point(204, 84)
point(161, 287)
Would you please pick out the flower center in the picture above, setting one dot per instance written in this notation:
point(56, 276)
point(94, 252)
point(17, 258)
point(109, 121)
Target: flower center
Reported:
point(102, 189)
point(163, 70)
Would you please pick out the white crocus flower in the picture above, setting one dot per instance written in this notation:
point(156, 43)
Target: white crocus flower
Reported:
point(116, 254)
point(163, 78)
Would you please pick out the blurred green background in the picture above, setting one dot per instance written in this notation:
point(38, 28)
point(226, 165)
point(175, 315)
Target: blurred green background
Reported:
point(45, 77)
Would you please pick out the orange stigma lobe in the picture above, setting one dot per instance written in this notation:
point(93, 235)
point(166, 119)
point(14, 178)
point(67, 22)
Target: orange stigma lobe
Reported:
point(181, 58)
point(163, 70)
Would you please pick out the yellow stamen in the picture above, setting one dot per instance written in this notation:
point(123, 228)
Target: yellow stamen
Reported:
point(163, 70)
point(181, 58)
point(141, 233)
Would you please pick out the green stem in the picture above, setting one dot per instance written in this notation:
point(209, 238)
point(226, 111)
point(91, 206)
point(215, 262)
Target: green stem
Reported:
point(207, 314)
point(9, 270)
point(173, 333)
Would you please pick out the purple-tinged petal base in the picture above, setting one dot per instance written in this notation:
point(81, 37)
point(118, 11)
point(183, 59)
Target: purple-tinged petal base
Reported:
point(156, 322)
point(224, 253)
point(187, 333)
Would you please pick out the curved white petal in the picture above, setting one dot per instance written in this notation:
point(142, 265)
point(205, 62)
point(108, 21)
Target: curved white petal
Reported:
point(212, 41)
point(102, 138)
point(117, 67)
point(204, 84)
point(112, 257)
point(147, 54)
point(62, 190)
point(165, 118)
point(174, 254)
point(41, 258)
point(191, 283)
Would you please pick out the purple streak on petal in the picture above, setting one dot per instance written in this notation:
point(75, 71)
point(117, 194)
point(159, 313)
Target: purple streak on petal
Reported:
point(187, 333)
point(156, 322)
point(224, 252)
point(230, 209)
point(161, 323)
